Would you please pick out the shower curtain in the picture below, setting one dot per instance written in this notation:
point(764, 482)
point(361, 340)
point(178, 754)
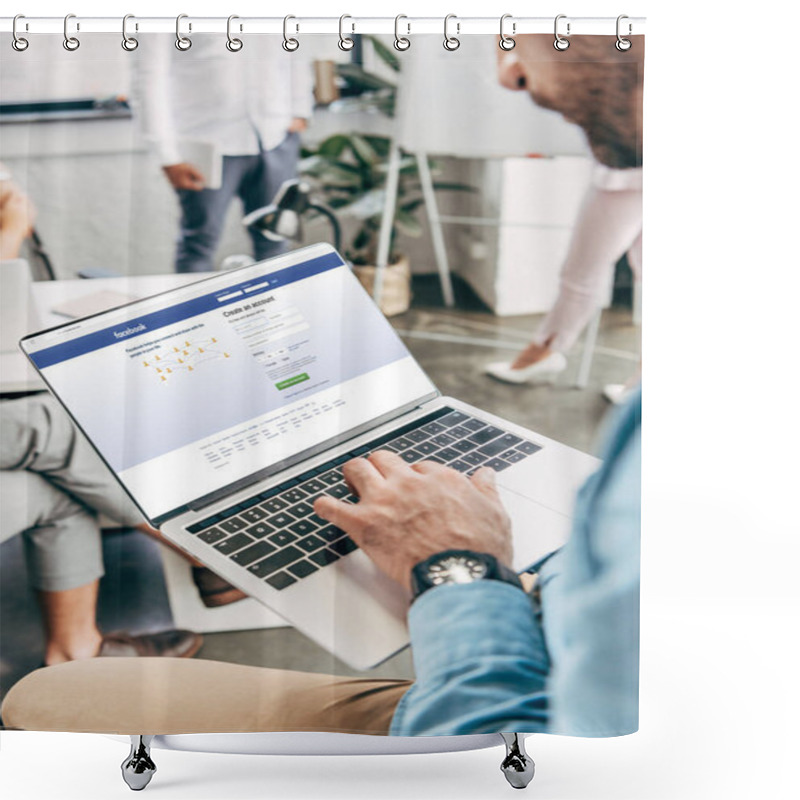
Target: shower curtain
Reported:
point(489, 199)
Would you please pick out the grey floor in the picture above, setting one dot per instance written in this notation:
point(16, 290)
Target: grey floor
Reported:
point(133, 596)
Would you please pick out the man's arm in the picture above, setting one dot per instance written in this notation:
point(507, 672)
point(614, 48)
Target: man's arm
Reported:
point(479, 651)
point(480, 662)
point(17, 215)
point(302, 81)
point(153, 104)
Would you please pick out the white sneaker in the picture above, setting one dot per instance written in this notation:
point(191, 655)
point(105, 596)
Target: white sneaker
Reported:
point(541, 371)
point(616, 393)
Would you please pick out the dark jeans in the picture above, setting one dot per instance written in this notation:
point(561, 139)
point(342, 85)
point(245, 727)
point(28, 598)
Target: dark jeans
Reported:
point(255, 180)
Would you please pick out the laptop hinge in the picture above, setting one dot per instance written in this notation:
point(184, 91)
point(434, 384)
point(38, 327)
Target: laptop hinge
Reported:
point(274, 469)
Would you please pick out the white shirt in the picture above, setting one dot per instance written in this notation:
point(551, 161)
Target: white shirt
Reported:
point(208, 94)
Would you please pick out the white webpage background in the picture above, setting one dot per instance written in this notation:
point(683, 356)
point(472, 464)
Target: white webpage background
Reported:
point(169, 481)
point(136, 402)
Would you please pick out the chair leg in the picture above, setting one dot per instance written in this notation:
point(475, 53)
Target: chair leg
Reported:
point(517, 766)
point(138, 768)
point(589, 342)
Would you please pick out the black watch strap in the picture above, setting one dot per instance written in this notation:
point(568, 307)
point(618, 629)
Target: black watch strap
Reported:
point(421, 582)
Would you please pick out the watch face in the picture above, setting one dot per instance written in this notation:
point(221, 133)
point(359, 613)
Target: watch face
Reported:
point(456, 569)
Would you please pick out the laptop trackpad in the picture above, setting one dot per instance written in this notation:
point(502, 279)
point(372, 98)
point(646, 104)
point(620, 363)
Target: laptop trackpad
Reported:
point(536, 530)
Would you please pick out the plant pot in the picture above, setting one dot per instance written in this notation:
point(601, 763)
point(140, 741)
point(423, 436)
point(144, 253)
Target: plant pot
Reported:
point(396, 292)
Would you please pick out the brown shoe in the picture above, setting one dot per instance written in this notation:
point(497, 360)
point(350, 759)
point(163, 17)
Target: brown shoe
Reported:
point(215, 591)
point(171, 644)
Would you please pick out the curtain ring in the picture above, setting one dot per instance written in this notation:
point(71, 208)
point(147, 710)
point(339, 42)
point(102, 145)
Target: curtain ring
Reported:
point(401, 43)
point(507, 42)
point(623, 44)
point(182, 42)
point(346, 43)
point(19, 43)
point(560, 42)
point(129, 43)
point(71, 43)
point(233, 44)
point(289, 44)
point(451, 43)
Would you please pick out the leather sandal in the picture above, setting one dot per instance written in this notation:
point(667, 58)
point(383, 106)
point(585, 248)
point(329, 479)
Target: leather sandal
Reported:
point(215, 591)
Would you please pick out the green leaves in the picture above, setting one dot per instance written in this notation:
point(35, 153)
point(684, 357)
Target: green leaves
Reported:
point(359, 78)
point(333, 146)
point(385, 54)
point(363, 150)
point(407, 223)
point(350, 170)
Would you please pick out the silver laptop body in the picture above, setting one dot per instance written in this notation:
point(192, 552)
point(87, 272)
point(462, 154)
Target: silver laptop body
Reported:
point(218, 395)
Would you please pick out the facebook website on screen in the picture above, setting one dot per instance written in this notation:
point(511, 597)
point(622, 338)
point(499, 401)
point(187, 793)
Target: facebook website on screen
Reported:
point(186, 394)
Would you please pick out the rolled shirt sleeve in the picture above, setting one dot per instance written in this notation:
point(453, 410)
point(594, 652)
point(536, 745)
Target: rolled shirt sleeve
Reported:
point(480, 661)
point(483, 655)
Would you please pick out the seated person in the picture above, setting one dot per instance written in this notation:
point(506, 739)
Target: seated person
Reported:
point(52, 487)
point(488, 656)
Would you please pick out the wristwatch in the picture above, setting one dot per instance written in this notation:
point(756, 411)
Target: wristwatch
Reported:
point(458, 566)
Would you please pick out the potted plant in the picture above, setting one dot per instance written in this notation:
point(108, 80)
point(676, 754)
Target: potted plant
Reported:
point(350, 171)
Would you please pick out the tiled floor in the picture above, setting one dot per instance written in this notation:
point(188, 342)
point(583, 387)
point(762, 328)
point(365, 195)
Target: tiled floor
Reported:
point(133, 596)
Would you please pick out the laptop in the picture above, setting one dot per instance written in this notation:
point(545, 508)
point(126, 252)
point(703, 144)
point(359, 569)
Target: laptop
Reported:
point(225, 407)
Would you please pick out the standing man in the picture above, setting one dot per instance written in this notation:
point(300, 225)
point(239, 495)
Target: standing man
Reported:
point(223, 125)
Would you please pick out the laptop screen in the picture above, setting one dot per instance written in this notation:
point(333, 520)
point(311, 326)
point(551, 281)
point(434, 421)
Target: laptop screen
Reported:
point(202, 387)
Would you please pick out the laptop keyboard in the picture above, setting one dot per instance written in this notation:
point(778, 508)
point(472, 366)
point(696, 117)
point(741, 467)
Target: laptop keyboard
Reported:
point(277, 536)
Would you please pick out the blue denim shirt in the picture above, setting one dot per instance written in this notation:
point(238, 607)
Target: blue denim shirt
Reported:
point(487, 661)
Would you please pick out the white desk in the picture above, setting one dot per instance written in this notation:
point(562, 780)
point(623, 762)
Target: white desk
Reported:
point(187, 609)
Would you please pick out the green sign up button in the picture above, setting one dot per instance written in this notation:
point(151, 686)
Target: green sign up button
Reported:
point(292, 381)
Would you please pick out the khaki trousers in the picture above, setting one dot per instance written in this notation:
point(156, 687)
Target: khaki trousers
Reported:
point(51, 486)
point(174, 695)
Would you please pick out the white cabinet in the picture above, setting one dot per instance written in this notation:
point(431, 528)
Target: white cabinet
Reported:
point(534, 203)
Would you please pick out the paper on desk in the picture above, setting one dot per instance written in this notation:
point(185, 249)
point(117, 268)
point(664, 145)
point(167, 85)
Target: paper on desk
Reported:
point(93, 303)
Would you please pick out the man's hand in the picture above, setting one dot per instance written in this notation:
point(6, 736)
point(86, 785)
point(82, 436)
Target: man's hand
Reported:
point(185, 176)
point(408, 513)
point(298, 125)
point(17, 215)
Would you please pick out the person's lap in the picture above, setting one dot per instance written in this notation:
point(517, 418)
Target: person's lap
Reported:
point(171, 696)
point(61, 538)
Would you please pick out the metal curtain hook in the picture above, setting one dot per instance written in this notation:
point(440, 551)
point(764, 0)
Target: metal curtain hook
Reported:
point(71, 43)
point(129, 43)
point(182, 42)
point(289, 43)
point(623, 44)
point(507, 42)
point(345, 42)
point(401, 43)
point(451, 43)
point(19, 43)
point(560, 42)
point(233, 44)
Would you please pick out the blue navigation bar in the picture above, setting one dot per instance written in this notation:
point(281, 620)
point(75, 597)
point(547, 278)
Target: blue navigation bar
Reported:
point(138, 326)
